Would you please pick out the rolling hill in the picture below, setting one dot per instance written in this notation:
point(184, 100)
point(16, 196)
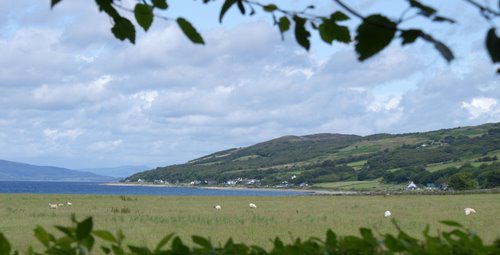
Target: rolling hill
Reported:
point(14, 171)
point(463, 153)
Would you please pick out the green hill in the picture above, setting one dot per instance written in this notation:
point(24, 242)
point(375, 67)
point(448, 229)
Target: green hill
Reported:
point(464, 157)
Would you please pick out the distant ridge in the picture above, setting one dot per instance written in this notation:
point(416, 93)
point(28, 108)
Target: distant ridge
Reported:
point(15, 171)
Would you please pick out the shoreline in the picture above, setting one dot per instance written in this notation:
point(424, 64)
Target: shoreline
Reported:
point(304, 191)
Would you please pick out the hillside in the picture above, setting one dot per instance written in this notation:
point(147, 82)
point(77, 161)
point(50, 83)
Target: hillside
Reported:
point(467, 154)
point(14, 171)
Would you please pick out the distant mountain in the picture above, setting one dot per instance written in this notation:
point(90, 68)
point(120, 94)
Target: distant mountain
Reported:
point(14, 171)
point(463, 155)
point(119, 172)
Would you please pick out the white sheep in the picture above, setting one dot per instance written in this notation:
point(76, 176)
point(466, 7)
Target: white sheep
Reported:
point(60, 204)
point(252, 206)
point(468, 211)
point(69, 203)
point(387, 214)
point(218, 207)
point(52, 206)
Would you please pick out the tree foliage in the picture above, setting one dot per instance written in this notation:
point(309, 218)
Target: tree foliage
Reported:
point(372, 35)
point(80, 238)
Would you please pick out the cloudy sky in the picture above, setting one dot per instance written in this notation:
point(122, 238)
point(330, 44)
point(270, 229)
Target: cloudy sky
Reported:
point(71, 95)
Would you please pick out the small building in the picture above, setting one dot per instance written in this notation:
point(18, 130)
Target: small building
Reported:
point(411, 186)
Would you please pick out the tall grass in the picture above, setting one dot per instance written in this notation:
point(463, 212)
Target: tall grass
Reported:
point(148, 218)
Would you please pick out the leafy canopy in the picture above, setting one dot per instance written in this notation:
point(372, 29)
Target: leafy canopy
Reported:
point(372, 35)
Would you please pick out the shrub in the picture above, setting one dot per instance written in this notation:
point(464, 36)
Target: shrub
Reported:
point(80, 239)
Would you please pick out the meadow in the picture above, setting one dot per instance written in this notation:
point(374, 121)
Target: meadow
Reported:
point(146, 219)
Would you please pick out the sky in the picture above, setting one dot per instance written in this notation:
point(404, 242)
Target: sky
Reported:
point(71, 95)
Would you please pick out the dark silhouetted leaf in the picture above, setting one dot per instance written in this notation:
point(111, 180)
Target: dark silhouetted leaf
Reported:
point(339, 16)
point(270, 7)
point(190, 31)
point(123, 29)
point(161, 4)
point(493, 45)
point(301, 34)
point(54, 2)
point(373, 35)
point(443, 19)
point(409, 36)
point(144, 16)
point(284, 24)
point(225, 7)
point(241, 7)
point(425, 10)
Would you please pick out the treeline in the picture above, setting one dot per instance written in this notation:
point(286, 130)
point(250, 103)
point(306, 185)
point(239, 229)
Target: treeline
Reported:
point(465, 177)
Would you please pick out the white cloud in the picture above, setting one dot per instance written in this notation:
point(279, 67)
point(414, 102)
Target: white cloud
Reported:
point(73, 95)
point(481, 106)
point(106, 146)
point(55, 134)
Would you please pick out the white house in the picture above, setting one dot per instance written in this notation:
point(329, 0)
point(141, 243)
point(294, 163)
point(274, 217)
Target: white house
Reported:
point(411, 186)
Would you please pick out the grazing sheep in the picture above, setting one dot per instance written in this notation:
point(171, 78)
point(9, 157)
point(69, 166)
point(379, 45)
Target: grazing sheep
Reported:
point(468, 211)
point(252, 206)
point(69, 203)
point(387, 214)
point(60, 204)
point(52, 206)
point(218, 207)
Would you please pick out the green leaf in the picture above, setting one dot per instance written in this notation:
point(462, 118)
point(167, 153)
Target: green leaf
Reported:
point(203, 242)
point(301, 34)
point(144, 15)
point(161, 4)
point(339, 16)
point(284, 24)
point(451, 223)
point(123, 29)
point(5, 246)
point(43, 236)
point(140, 250)
point(373, 35)
point(225, 7)
point(330, 31)
point(493, 45)
point(105, 235)
point(190, 31)
point(84, 228)
point(409, 36)
point(54, 2)
point(270, 7)
point(69, 231)
point(164, 241)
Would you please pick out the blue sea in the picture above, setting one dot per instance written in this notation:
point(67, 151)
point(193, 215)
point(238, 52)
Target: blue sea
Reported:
point(95, 188)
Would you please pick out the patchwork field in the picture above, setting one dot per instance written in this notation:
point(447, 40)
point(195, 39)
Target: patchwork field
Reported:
point(146, 219)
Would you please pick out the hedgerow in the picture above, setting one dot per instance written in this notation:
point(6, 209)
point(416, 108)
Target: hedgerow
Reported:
point(80, 238)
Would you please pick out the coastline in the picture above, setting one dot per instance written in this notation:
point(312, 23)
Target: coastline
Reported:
point(304, 191)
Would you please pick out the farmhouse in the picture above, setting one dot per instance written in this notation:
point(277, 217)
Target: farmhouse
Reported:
point(411, 186)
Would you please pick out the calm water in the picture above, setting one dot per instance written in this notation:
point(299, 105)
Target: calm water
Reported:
point(99, 189)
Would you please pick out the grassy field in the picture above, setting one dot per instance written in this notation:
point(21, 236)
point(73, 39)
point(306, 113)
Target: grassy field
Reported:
point(371, 185)
point(146, 219)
